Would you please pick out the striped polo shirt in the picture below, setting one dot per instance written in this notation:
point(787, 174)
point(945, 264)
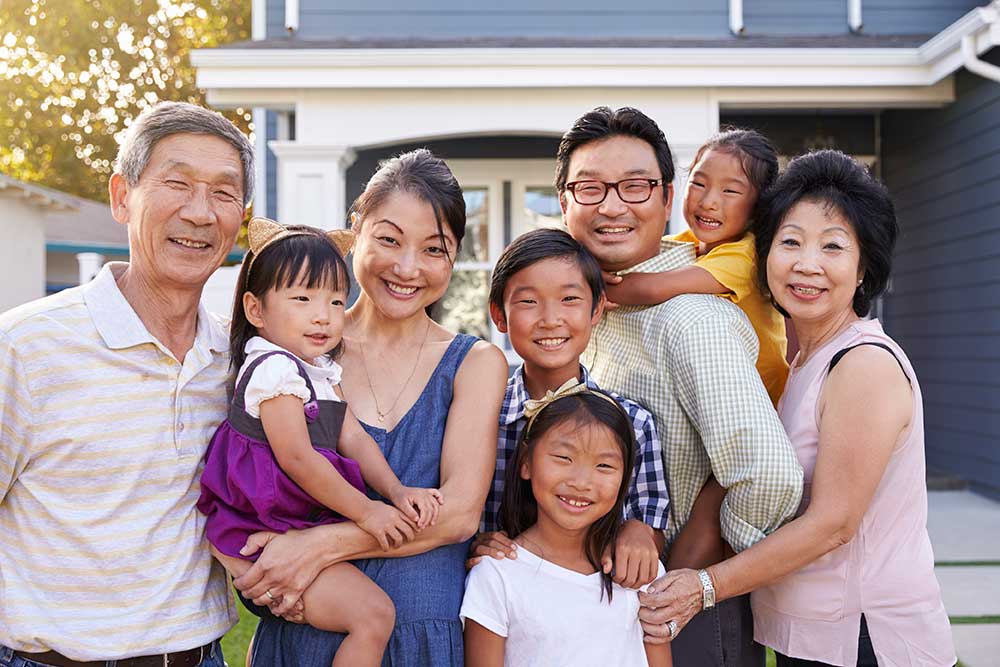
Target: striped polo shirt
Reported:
point(102, 431)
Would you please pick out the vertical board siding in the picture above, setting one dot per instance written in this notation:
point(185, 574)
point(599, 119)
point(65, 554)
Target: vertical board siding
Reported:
point(275, 19)
point(271, 132)
point(943, 169)
point(793, 17)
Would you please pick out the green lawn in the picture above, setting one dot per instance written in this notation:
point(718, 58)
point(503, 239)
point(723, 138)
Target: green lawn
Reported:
point(234, 644)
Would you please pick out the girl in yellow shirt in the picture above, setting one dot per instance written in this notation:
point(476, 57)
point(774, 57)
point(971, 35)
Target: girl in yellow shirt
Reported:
point(728, 175)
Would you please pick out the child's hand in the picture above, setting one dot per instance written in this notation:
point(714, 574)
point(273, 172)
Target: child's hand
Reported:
point(495, 545)
point(637, 557)
point(634, 289)
point(387, 525)
point(610, 279)
point(419, 505)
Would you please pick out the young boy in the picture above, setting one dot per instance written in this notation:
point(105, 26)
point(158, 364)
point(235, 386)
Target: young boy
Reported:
point(547, 293)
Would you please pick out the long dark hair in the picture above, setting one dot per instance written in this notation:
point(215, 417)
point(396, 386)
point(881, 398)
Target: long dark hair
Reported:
point(756, 154)
point(279, 265)
point(518, 507)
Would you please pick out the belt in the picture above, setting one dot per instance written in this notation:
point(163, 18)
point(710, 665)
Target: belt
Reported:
point(190, 658)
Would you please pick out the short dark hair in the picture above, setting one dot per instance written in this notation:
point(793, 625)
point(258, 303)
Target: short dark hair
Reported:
point(279, 265)
point(837, 181)
point(518, 506)
point(603, 123)
point(425, 176)
point(755, 152)
point(538, 245)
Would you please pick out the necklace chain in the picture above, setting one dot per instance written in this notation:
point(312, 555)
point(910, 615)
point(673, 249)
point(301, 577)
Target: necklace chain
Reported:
point(364, 362)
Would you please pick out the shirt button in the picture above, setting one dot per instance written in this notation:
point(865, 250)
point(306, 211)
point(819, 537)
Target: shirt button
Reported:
point(180, 426)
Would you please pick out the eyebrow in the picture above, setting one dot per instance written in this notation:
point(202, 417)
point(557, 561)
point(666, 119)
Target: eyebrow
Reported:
point(230, 176)
point(828, 229)
point(589, 173)
point(390, 222)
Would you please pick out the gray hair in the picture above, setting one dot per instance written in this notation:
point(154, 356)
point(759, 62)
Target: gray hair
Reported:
point(166, 118)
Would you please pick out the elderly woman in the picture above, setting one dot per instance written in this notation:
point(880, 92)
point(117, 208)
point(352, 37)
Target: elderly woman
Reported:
point(850, 581)
point(430, 398)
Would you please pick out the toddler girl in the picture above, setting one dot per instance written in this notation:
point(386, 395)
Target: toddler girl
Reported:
point(291, 455)
point(562, 505)
point(729, 174)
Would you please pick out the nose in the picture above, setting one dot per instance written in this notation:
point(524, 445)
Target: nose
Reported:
point(406, 266)
point(710, 199)
point(551, 315)
point(198, 208)
point(581, 478)
point(612, 206)
point(321, 314)
point(807, 262)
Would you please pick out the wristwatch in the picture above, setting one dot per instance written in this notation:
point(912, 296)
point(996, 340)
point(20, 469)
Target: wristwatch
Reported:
point(707, 590)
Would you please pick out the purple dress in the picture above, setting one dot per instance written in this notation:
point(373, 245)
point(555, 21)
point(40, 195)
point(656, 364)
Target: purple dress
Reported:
point(245, 491)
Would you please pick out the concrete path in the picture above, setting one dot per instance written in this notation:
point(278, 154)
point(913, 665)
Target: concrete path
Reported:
point(965, 532)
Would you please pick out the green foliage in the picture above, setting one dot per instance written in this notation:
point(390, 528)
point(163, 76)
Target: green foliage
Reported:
point(236, 641)
point(74, 73)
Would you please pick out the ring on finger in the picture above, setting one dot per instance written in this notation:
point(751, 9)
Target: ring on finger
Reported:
point(269, 596)
point(672, 629)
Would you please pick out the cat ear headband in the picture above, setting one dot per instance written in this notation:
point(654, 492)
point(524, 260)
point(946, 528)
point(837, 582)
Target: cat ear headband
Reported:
point(263, 232)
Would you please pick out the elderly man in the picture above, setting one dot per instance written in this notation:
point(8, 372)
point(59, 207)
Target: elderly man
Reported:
point(690, 361)
point(109, 393)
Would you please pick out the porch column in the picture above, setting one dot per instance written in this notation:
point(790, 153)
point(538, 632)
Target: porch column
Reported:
point(312, 187)
point(90, 264)
point(683, 154)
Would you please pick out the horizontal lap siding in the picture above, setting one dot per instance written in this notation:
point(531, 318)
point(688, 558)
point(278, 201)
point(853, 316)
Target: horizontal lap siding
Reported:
point(912, 17)
point(943, 169)
point(443, 19)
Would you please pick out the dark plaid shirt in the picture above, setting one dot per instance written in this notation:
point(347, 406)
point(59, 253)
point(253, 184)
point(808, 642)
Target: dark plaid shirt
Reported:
point(647, 498)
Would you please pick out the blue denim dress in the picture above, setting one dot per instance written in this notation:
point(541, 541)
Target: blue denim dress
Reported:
point(426, 588)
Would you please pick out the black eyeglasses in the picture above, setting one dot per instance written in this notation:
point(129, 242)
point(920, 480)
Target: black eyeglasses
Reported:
point(630, 190)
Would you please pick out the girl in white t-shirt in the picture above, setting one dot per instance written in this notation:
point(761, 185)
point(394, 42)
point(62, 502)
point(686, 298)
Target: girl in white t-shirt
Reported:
point(562, 506)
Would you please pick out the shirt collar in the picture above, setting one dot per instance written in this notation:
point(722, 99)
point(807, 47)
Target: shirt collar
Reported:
point(517, 394)
point(673, 255)
point(320, 368)
point(119, 325)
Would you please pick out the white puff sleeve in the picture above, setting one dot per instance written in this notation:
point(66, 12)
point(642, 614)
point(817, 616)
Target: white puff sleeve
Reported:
point(275, 376)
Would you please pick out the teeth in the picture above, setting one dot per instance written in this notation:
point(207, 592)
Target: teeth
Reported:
point(551, 342)
point(190, 244)
point(613, 230)
point(399, 289)
point(709, 221)
point(806, 290)
point(575, 503)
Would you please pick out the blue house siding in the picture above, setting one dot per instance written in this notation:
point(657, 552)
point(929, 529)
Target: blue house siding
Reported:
point(912, 17)
point(444, 19)
point(271, 132)
point(943, 169)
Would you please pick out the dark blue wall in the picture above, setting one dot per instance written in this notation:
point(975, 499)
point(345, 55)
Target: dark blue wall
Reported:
point(943, 169)
point(443, 19)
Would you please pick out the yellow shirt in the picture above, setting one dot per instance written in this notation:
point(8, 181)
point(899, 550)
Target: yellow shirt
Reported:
point(732, 264)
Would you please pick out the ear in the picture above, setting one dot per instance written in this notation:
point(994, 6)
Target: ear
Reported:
point(355, 222)
point(117, 195)
point(253, 308)
point(668, 200)
point(498, 317)
point(525, 471)
point(599, 310)
point(562, 204)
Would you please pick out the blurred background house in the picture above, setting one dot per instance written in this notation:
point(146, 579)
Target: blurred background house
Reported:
point(908, 87)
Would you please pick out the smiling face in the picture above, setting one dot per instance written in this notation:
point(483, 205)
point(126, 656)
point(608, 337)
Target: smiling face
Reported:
point(185, 211)
point(306, 321)
point(618, 234)
point(400, 261)
point(576, 472)
point(548, 312)
point(814, 263)
point(718, 199)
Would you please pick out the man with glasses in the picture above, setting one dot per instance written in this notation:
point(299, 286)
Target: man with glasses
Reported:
point(690, 361)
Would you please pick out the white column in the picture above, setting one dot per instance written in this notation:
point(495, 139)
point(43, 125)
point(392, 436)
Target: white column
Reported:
point(312, 187)
point(90, 264)
point(683, 154)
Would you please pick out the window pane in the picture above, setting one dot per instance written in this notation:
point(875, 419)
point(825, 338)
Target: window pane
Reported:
point(541, 208)
point(463, 307)
point(475, 245)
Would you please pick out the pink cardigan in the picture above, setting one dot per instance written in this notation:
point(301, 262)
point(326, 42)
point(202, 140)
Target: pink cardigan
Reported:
point(886, 572)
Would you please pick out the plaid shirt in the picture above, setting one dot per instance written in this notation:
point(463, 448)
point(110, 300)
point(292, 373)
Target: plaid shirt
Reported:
point(691, 361)
point(647, 498)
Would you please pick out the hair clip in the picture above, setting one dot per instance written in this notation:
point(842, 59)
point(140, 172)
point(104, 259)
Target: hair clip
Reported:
point(571, 387)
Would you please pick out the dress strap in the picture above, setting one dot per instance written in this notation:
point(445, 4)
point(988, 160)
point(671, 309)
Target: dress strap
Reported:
point(840, 355)
point(239, 396)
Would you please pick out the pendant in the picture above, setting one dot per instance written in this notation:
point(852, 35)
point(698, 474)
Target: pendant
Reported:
point(381, 417)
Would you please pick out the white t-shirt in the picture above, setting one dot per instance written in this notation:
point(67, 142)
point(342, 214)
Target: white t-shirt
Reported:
point(278, 375)
point(553, 616)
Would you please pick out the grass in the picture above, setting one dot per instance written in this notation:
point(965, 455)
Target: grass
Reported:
point(236, 641)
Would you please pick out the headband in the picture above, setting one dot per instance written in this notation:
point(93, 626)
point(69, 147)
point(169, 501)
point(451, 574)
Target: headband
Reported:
point(572, 387)
point(264, 232)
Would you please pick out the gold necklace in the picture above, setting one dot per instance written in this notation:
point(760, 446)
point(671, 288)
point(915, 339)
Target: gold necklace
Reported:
point(364, 362)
